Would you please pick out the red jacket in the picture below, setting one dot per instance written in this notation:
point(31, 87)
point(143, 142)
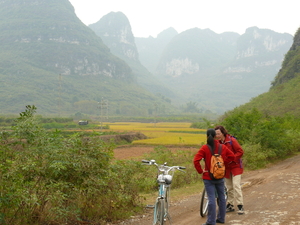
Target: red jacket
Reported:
point(204, 153)
point(236, 167)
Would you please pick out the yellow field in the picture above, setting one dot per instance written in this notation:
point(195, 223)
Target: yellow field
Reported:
point(159, 133)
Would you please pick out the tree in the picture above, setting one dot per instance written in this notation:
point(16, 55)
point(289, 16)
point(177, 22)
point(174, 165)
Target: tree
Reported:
point(191, 107)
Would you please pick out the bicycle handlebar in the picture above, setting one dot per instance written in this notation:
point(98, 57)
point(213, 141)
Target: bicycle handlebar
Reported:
point(165, 167)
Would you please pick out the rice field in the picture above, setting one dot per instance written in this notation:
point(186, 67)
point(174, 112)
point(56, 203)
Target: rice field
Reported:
point(163, 133)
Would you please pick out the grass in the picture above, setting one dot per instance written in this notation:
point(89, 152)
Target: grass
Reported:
point(166, 133)
point(163, 133)
point(178, 193)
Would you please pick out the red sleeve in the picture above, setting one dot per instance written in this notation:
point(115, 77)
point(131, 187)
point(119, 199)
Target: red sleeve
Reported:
point(227, 155)
point(197, 158)
point(237, 149)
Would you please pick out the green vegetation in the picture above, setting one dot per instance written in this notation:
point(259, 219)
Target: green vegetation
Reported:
point(68, 122)
point(47, 178)
point(187, 132)
point(179, 158)
point(290, 66)
point(283, 96)
point(49, 58)
point(264, 138)
point(166, 118)
point(268, 125)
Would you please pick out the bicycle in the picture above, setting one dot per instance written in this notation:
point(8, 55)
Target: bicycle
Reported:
point(164, 179)
point(204, 202)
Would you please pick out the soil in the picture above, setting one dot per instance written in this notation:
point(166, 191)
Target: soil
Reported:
point(136, 152)
point(271, 197)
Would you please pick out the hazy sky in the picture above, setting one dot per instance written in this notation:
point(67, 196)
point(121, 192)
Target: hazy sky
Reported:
point(150, 17)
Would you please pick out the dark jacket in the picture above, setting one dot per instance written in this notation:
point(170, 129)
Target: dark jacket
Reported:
point(236, 167)
point(204, 153)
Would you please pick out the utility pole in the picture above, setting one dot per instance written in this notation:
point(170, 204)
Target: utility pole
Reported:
point(155, 113)
point(59, 97)
point(103, 105)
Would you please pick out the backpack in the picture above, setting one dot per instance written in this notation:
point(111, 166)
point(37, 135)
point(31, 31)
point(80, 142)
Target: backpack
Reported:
point(217, 166)
point(231, 136)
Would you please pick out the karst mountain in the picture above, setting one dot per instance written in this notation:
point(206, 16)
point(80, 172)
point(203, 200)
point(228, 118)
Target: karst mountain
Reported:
point(54, 61)
point(49, 58)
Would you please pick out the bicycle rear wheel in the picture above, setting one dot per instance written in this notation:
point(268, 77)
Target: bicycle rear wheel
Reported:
point(226, 195)
point(159, 212)
point(203, 203)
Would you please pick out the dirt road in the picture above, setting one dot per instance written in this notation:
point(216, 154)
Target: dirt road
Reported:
point(271, 197)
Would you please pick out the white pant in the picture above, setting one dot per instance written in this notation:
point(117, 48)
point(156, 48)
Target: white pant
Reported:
point(234, 190)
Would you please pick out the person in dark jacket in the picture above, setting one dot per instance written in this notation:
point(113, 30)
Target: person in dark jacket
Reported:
point(234, 171)
point(211, 186)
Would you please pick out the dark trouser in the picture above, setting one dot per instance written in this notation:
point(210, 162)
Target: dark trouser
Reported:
point(211, 187)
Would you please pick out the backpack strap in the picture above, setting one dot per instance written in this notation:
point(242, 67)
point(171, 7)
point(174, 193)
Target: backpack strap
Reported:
point(220, 149)
point(231, 141)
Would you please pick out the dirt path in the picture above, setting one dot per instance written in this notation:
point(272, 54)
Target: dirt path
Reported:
point(271, 197)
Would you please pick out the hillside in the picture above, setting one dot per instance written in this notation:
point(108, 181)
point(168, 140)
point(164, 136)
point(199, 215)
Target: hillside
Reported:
point(283, 96)
point(221, 71)
point(150, 49)
point(49, 58)
point(115, 31)
point(214, 72)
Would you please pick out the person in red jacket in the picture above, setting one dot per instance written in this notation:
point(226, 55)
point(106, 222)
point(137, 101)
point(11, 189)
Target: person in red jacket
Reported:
point(233, 170)
point(211, 186)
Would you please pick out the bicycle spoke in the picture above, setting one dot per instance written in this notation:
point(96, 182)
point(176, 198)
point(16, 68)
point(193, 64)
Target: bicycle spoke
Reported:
point(159, 212)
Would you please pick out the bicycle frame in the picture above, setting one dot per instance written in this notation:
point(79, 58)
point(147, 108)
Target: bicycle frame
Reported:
point(164, 180)
point(161, 208)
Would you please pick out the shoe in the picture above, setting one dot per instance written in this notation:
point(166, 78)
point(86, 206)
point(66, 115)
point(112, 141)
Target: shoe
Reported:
point(240, 210)
point(206, 224)
point(229, 208)
point(218, 221)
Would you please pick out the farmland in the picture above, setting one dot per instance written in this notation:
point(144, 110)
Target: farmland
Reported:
point(174, 136)
point(166, 134)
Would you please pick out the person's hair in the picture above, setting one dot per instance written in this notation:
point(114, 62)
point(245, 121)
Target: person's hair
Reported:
point(222, 129)
point(211, 133)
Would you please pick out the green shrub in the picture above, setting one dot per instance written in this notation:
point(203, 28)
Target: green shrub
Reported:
point(255, 156)
point(264, 138)
point(49, 179)
point(53, 177)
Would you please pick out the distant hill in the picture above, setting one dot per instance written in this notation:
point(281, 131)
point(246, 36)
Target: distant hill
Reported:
point(150, 49)
point(49, 58)
point(283, 96)
point(221, 71)
point(115, 31)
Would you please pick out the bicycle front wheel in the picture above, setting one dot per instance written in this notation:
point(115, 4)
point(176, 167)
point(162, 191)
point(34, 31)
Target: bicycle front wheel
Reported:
point(159, 212)
point(203, 203)
point(166, 206)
